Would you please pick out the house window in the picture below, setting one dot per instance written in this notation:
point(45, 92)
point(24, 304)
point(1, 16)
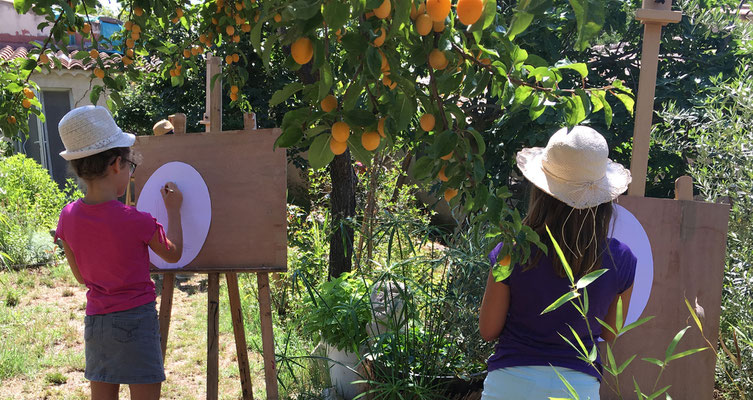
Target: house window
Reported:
point(43, 143)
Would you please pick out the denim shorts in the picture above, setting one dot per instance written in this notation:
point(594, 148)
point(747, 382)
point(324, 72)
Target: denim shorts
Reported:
point(124, 346)
point(536, 382)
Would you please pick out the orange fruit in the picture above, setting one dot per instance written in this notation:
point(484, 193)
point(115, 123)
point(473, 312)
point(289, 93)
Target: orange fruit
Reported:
point(130, 43)
point(135, 35)
point(136, 28)
point(138, 11)
point(230, 30)
point(246, 27)
point(93, 53)
point(340, 131)
point(195, 51)
point(233, 96)
point(12, 120)
point(238, 6)
point(437, 59)
point(329, 103)
point(172, 72)
point(179, 12)
point(439, 26)
point(228, 59)
point(388, 82)
point(128, 25)
point(256, 16)
point(427, 122)
point(337, 147)
point(43, 59)
point(469, 11)
point(187, 53)
point(369, 14)
point(129, 53)
point(236, 38)
point(215, 21)
point(449, 194)
point(234, 89)
point(505, 261)
point(380, 126)
point(238, 20)
point(370, 140)
point(383, 11)
point(278, 17)
point(236, 57)
point(379, 41)
point(438, 9)
point(413, 11)
point(423, 24)
point(302, 50)
point(442, 176)
point(28, 93)
point(421, 8)
point(447, 156)
point(385, 64)
point(99, 73)
point(87, 28)
point(202, 38)
point(485, 61)
point(127, 61)
point(26, 103)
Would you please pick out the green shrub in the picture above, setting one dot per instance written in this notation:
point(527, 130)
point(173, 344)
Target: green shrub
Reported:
point(30, 203)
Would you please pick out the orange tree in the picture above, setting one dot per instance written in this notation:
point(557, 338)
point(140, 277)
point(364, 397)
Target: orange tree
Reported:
point(375, 74)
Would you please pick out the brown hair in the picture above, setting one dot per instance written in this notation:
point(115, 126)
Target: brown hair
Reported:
point(95, 166)
point(582, 234)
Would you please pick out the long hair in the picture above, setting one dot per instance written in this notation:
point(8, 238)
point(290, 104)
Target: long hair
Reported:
point(582, 234)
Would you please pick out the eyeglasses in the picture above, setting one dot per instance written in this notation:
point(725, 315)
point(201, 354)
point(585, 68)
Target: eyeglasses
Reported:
point(133, 166)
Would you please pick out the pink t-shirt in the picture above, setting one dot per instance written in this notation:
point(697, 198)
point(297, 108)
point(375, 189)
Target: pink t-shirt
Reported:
point(110, 244)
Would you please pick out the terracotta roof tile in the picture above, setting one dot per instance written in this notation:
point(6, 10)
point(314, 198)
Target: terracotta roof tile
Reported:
point(68, 62)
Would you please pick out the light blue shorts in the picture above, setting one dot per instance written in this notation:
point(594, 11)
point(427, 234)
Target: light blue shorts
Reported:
point(124, 346)
point(538, 383)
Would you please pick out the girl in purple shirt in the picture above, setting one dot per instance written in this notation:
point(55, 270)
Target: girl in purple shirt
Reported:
point(106, 244)
point(573, 186)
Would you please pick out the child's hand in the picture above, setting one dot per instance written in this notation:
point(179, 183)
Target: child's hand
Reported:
point(172, 197)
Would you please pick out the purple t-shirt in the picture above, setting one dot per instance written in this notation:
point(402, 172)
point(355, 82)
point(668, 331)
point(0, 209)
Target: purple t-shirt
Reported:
point(529, 338)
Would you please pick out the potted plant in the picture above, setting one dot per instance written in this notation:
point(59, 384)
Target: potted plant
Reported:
point(337, 313)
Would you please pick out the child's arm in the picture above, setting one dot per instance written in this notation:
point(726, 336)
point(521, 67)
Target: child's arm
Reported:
point(72, 262)
point(173, 249)
point(611, 317)
point(494, 306)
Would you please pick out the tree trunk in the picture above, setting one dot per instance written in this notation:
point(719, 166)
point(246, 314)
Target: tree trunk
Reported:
point(342, 207)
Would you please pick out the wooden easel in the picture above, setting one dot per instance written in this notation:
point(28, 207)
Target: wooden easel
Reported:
point(213, 119)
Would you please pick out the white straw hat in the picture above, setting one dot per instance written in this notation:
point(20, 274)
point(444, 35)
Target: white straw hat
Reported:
point(574, 168)
point(90, 130)
point(162, 127)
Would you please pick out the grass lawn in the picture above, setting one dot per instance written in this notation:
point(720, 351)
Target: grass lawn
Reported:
point(42, 349)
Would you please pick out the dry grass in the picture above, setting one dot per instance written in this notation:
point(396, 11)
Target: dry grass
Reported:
point(41, 339)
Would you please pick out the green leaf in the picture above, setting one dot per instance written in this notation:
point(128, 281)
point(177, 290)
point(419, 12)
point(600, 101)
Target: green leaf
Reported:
point(658, 363)
point(374, 62)
point(636, 324)
point(626, 100)
point(567, 384)
point(565, 264)
point(256, 37)
point(589, 278)
point(290, 136)
point(501, 272)
point(658, 392)
point(325, 80)
point(625, 364)
point(28, 64)
point(581, 68)
point(422, 168)
point(285, 93)
point(686, 353)
point(674, 342)
point(480, 144)
point(319, 152)
point(520, 21)
point(359, 117)
point(619, 320)
point(22, 6)
point(335, 13)
point(575, 112)
point(404, 108)
point(534, 6)
point(590, 17)
point(355, 44)
point(694, 315)
point(562, 300)
point(305, 9)
point(95, 93)
point(357, 150)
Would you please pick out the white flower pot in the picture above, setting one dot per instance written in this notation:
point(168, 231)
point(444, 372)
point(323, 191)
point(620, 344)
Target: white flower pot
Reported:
point(341, 366)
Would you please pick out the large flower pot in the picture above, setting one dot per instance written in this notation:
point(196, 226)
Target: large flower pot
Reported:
point(341, 372)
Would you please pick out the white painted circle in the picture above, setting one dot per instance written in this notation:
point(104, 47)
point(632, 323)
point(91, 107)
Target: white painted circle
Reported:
point(196, 211)
point(628, 230)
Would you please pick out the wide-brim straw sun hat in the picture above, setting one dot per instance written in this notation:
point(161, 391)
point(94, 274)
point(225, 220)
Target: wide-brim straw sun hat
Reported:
point(575, 168)
point(162, 127)
point(89, 130)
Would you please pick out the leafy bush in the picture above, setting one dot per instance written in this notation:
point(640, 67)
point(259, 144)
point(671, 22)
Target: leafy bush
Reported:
point(30, 203)
point(715, 137)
